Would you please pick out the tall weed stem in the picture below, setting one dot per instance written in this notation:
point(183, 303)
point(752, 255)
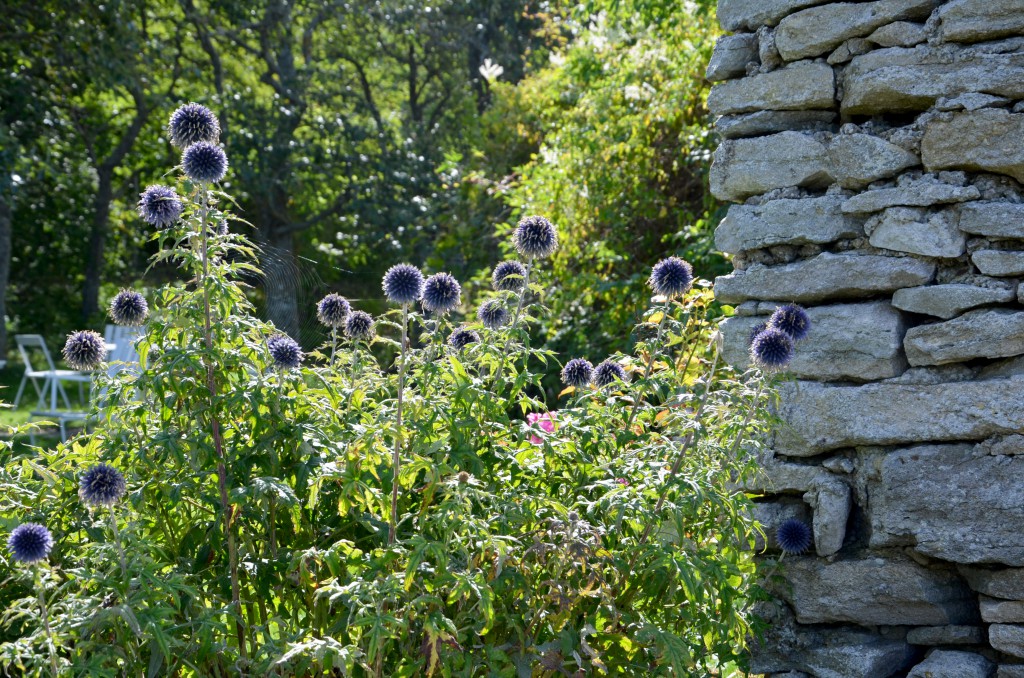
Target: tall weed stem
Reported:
point(396, 460)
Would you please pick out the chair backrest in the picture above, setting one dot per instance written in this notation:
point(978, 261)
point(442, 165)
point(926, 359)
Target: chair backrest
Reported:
point(29, 342)
point(124, 351)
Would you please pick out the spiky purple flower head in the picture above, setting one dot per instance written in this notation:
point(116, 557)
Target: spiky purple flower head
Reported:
point(493, 314)
point(441, 293)
point(462, 337)
point(772, 349)
point(193, 123)
point(671, 277)
point(403, 284)
point(509, 276)
point(535, 237)
point(333, 310)
point(30, 543)
point(84, 350)
point(204, 163)
point(756, 330)
point(285, 351)
point(609, 372)
point(129, 308)
point(101, 485)
point(793, 320)
point(160, 206)
point(359, 325)
point(577, 373)
point(793, 536)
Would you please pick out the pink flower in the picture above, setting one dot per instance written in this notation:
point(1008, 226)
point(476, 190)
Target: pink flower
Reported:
point(546, 421)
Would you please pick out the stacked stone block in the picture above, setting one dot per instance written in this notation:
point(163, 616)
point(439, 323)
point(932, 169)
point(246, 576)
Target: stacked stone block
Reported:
point(875, 153)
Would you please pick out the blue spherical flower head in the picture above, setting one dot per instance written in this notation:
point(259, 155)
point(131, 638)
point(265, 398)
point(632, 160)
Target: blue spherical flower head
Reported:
point(359, 325)
point(756, 330)
point(577, 373)
point(772, 349)
point(129, 308)
point(609, 372)
point(204, 163)
point(441, 293)
point(30, 543)
point(793, 536)
point(535, 237)
point(285, 351)
point(332, 310)
point(793, 320)
point(462, 337)
point(509, 276)
point(193, 123)
point(101, 485)
point(493, 314)
point(671, 277)
point(84, 350)
point(160, 206)
point(403, 284)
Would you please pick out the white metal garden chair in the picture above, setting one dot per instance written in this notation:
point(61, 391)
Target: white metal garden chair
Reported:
point(52, 380)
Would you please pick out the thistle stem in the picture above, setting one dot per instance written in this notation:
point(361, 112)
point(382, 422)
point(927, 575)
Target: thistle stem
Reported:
point(396, 461)
point(650, 364)
point(515, 318)
point(41, 591)
point(120, 547)
point(334, 342)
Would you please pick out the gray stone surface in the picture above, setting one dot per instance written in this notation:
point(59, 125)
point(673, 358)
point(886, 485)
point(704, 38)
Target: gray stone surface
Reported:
point(972, 101)
point(997, 219)
point(831, 501)
point(918, 231)
point(748, 167)
point(899, 34)
point(949, 301)
point(771, 514)
point(799, 86)
point(944, 499)
point(923, 192)
point(826, 276)
point(976, 20)
point(953, 664)
point(871, 591)
point(984, 333)
point(775, 476)
point(987, 140)
point(859, 159)
point(785, 222)
point(1010, 671)
point(849, 49)
point(999, 262)
point(947, 635)
point(731, 55)
point(817, 30)
point(1008, 638)
point(1001, 611)
point(735, 15)
point(1002, 583)
point(849, 342)
point(770, 122)
point(899, 80)
point(819, 418)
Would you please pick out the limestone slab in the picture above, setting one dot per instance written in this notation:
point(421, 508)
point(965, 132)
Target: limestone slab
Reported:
point(799, 86)
point(736, 15)
point(918, 231)
point(921, 193)
point(1010, 671)
point(1005, 583)
point(984, 333)
point(746, 167)
point(785, 222)
point(947, 635)
point(999, 262)
point(997, 219)
point(1008, 638)
point(899, 34)
point(986, 140)
point(976, 20)
point(771, 122)
point(860, 159)
point(831, 501)
point(730, 57)
point(1002, 611)
point(953, 664)
point(949, 301)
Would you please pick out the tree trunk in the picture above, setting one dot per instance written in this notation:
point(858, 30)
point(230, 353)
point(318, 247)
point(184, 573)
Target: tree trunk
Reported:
point(281, 281)
point(97, 242)
point(5, 266)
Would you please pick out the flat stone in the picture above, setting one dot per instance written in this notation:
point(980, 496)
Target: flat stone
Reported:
point(953, 664)
point(997, 219)
point(1005, 583)
point(730, 57)
point(972, 101)
point(859, 159)
point(875, 591)
point(785, 222)
point(819, 417)
point(849, 49)
point(949, 301)
point(775, 477)
point(1008, 638)
point(746, 167)
point(814, 31)
point(924, 192)
point(831, 502)
point(984, 333)
point(1010, 671)
point(947, 635)
point(917, 231)
point(770, 515)
point(999, 262)
point(900, 80)
point(987, 140)
point(736, 15)
point(799, 86)
point(953, 502)
point(899, 34)
point(1002, 611)
point(849, 342)
point(770, 122)
point(977, 20)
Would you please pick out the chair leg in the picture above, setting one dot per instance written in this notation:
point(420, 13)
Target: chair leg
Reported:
point(63, 394)
point(21, 389)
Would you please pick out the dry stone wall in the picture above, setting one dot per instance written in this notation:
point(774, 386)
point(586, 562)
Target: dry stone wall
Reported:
point(875, 153)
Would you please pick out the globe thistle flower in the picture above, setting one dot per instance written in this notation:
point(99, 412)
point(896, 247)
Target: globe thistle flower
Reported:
point(493, 314)
point(793, 536)
point(535, 237)
point(193, 123)
point(101, 485)
point(359, 325)
point(129, 308)
point(671, 277)
point(509, 276)
point(204, 163)
point(791, 319)
point(84, 350)
point(332, 310)
point(160, 206)
point(403, 284)
point(462, 337)
point(441, 293)
point(609, 372)
point(772, 349)
point(577, 373)
point(30, 543)
point(756, 330)
point(285, 351)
